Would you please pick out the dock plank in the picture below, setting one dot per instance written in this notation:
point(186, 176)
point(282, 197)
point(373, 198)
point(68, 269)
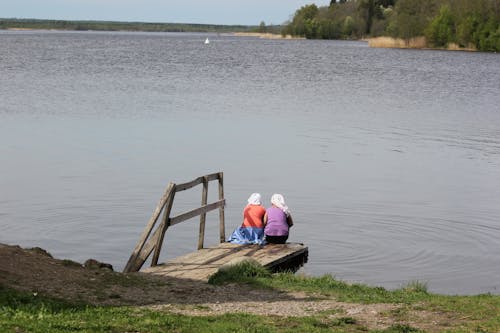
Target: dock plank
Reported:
point(200, 265)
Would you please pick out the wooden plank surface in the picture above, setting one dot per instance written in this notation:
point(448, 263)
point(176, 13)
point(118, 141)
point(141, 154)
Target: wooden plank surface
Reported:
point(201, 264)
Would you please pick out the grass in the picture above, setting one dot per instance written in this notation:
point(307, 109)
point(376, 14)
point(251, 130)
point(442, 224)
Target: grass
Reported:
point(328, 286)
point(416, 286)
point(479, 313)
point(26, 312)
point(244, 272)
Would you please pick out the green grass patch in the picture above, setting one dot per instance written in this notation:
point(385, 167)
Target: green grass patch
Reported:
point(244, 272)
point(11, 301)
point(25, 312)
point(401, 328)
point(471, 313)
point(474, 313)
point(480, 312)
point(354, 293)
point(416, 286)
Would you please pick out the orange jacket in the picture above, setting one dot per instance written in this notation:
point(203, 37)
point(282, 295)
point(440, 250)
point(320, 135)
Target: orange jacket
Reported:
point(253, 216)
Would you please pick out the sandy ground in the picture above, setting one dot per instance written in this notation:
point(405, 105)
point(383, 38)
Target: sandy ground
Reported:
point(35, 271)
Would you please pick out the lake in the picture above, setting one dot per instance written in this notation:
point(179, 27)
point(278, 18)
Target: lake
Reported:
point(388, 159)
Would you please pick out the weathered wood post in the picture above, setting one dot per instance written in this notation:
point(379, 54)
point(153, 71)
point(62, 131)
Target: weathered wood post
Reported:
point(163, 226)
point(134, 257)
point(203, 216)
point(222, 227)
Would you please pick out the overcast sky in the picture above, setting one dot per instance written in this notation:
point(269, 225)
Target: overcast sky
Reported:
point(249, 12)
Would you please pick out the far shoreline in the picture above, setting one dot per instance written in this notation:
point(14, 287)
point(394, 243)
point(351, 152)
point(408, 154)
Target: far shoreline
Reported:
point(416, 43)
point(265, 35)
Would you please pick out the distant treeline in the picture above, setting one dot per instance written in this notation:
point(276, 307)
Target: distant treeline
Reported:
point(120, 26)
point(466, 23)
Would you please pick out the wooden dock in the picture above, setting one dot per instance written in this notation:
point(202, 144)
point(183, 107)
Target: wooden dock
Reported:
point(200, 265)
point(205, 261)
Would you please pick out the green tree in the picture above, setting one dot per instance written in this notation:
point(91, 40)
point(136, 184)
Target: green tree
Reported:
point(348, 26)
point(307, 12)
point(412, 17)
point(385, 3)
point(302, 20)
point(466, 29)
point(312, 28)
point(466, 22)
point(441, 30)
point(488, 36)
point(262, 27)
point(367, 10)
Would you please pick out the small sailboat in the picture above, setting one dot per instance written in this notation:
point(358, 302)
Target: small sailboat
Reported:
point(207, 41)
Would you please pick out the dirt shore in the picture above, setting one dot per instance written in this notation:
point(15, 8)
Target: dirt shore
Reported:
point(36, 271)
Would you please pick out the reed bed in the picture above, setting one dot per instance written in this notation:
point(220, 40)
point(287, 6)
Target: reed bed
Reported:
point(413, 43)
point(389, 42)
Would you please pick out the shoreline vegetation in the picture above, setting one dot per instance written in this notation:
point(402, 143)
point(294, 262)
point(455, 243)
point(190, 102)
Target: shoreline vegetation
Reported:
point(459, 25)
point(39, 293)
point(428, 24)
point(376, 42)
point(43, 24)
point(414, 43)
point(266, 35)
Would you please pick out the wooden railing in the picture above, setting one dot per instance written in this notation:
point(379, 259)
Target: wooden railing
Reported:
point(147, 244)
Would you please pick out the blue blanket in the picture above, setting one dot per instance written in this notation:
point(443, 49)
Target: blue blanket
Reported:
point(247, 235)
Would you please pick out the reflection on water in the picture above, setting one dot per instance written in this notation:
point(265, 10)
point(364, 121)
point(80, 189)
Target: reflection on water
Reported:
point(388, 159)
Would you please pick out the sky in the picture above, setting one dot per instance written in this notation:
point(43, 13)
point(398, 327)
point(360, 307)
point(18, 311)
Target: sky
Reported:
point(249, 12)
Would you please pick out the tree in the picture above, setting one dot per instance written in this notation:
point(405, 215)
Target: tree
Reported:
point(302, 21)
point(367, 7)
point(262, 27)
point(466, 22)
point(412, 17)
point(441, 30)
point(308, 12)
point(373, 9)
point(488, 36)
point(385, 3)
point(348, 26)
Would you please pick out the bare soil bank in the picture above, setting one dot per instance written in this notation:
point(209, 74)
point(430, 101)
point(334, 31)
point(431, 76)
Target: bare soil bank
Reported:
point(36, 271)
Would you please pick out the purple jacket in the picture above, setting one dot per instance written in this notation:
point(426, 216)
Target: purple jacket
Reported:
point(276, 222)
